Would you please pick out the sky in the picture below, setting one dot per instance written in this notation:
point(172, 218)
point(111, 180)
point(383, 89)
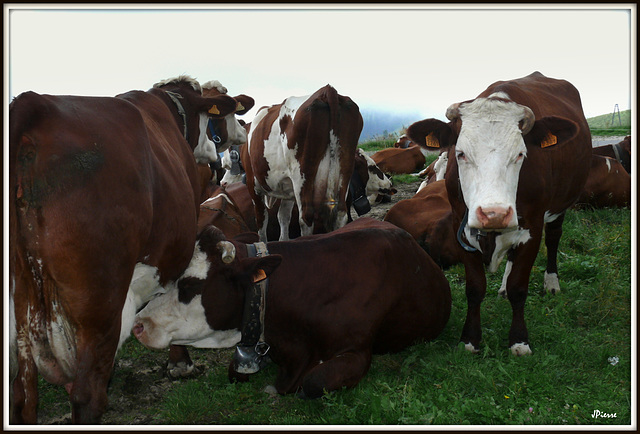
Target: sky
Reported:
point(412, 58)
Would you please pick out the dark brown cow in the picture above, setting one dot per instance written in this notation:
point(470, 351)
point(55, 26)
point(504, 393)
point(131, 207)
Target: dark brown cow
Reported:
point(302, 151)
point(427, 217)
point(620, 151)
point(327, 307)
point(519, 158)
point(396, 161)
point(608, 185)
point(104, 202)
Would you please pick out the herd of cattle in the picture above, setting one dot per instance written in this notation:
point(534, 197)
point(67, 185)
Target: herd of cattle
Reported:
point(122, 221)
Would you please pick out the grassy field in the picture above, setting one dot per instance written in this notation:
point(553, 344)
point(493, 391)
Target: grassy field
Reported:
point(581, 339)
point(609, 125)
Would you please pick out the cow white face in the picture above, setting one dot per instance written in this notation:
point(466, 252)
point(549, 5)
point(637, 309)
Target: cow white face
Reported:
point(167, 320)
point(490, 151)
point(205, 152)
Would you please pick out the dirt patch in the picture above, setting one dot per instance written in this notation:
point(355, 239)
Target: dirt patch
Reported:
point(140, 382)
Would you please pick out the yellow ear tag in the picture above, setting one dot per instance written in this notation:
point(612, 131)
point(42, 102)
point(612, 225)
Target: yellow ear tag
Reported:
point(259, 275)
point(432, 141)
point(239, 107)
point(214, 110)
point(549, 140)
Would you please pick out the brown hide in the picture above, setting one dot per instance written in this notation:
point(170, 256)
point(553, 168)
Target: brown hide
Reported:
point(397, 160)
point(97, 186)
point(608, 185)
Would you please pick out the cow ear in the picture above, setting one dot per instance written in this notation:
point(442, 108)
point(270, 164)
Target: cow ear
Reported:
point(430, 133)
point(550, 131)
point(218, 106)
point(244, 103)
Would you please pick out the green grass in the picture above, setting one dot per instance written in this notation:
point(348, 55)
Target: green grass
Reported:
point(377, 145)
point(573, 334)
point(611, 121)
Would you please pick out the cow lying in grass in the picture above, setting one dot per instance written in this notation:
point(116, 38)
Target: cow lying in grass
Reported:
point(331, 301)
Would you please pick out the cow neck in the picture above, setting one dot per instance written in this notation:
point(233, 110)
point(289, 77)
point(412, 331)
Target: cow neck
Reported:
point(463, 223)
point(251, 351)
point(176, 97)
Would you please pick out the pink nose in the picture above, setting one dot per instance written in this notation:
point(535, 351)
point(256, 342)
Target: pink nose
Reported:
point(138, 329)
point(494, 217)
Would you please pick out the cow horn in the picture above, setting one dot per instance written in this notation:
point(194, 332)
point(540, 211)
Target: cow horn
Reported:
point(527, 120)
point(228, 251)
point(453, 112)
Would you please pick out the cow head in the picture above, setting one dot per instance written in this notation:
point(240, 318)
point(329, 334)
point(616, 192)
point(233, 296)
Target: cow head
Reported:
point(227, 131)
point(378, 184)
point(492, 137)
point(204, 306)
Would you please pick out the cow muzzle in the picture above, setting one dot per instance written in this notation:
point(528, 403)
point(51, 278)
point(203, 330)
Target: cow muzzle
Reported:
point(494, 217)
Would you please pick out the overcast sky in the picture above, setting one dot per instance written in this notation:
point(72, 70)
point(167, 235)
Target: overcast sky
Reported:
point(417, 59)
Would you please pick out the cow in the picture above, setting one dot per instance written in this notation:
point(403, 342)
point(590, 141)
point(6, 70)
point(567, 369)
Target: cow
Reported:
point(519, 156)
point(404, 142)
point(104, 199)
point(302, 151)
point(620, 151)
point(608, 185)
point(427, 216)
point(434, 171)
point(326, 307)
point(229, 208)
point(396, 161)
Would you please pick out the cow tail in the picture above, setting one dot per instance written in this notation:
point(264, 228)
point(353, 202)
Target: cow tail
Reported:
point(334, 107)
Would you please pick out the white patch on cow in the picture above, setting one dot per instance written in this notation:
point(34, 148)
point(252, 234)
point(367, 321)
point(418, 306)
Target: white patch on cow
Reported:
point(374, 184)
point(212, 199)
point(167, 321)
point(199, 265)
point(236, 133)
point(469, 347)
point(215, 84)
point(548, 217)
point(504, 242)
point(145, 283)
point(606, 160)
point(551, 283)
point(520, 349)
point(502, 292)
point(62, 338)
point(205, 152)
point(490, 152)
point(501, 94)
point(440, 166)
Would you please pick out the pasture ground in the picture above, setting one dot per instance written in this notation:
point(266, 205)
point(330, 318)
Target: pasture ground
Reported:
point(581, 364)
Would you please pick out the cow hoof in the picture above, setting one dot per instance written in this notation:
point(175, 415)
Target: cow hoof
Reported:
point(179, 370)
point(471, 348)
point(271, 391)
point(551, 283)
point(502, 292)
point(520, 349)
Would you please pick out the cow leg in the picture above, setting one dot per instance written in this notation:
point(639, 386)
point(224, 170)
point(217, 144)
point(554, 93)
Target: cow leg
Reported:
point(262, 217)
point(179, 364)
point(88, 392)
point(517, 291)
point(476, 287)
point(553, 232)
point(502, 292)
point(25, 389)
point(284, 218)
point(343, 370)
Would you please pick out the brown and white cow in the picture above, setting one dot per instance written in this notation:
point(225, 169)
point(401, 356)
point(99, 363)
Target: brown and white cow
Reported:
point(396, 161)
point(103, 209)
point(428, 218)
point(608, 185)
point(327, 307)
point(519, 157)
point(620, 151)
point(302, 151)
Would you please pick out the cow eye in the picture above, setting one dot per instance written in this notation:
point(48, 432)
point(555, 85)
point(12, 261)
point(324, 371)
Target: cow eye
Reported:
point(520, 157)
point(461, 156)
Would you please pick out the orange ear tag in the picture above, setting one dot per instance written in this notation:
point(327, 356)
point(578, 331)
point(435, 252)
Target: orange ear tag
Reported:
point(432, 141)
point(259, 275)
point(214, 110)
point(549, 140)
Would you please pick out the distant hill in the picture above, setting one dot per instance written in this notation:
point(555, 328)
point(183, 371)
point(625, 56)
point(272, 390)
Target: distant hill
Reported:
point(380, 123)
point(610, 121)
